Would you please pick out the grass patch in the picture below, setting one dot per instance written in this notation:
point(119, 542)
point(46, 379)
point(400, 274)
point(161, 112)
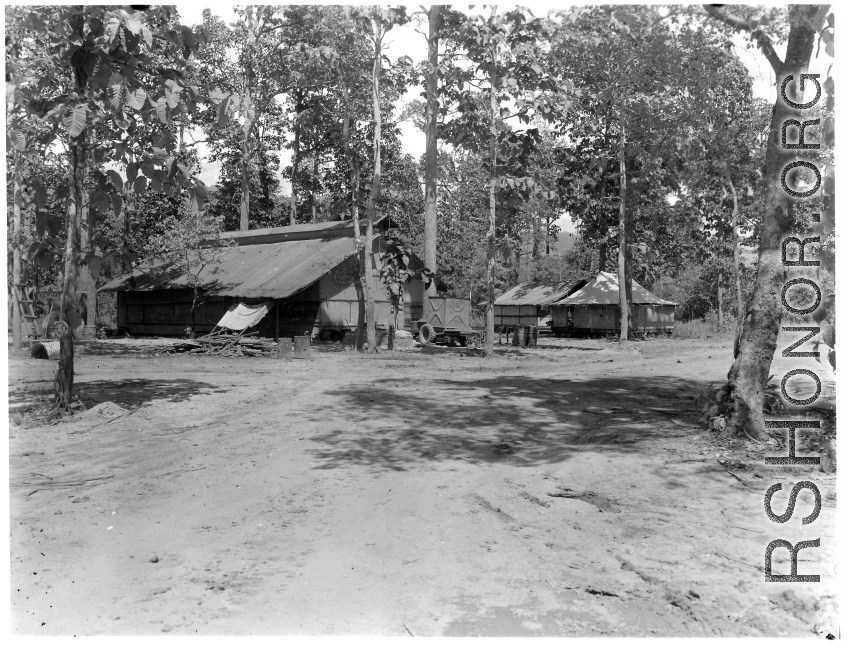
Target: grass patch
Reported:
point(705, 328)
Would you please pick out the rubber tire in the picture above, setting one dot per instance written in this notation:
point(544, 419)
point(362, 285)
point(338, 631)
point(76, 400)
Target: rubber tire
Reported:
point(426, 334)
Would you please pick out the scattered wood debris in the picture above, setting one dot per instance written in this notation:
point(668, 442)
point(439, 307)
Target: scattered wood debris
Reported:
point(227, 345)
point(485, 504)
point(535, 500)
point(603, 504)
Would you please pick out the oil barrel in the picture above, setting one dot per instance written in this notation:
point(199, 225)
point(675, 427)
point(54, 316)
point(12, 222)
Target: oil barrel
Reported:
point(532, 336)
point(519, 336)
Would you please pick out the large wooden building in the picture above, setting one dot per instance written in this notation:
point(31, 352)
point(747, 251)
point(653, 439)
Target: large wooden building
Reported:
point(306, 270)
point(596, 309)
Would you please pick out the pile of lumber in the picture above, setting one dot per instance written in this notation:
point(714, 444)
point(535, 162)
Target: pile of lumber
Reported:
point(227, 345)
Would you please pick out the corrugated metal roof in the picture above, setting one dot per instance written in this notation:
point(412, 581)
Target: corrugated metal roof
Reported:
point(603, 290)
point(537, 293)
point(272, 271)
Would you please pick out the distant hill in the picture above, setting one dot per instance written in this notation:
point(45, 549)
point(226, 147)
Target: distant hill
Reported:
point(566, 242)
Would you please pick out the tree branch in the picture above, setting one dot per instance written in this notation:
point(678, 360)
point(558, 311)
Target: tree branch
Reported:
point(740, 24)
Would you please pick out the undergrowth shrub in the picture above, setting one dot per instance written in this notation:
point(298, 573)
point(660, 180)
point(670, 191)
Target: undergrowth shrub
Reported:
point(706, 327)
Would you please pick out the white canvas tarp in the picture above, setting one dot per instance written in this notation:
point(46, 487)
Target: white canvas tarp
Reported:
point(241, 316)
point(603, 290)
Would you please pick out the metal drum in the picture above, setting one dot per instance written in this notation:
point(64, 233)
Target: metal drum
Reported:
point(519, 336)
point(532, 337)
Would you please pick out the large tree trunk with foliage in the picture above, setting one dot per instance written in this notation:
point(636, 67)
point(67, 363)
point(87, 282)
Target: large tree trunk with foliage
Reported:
point(86, 281)
point(68, 314)
point(295, 157)
point(16, 259)
point(314, 197)
point(370, 309)
point(603, 252)
point(194, 303)
point(247, 126)
point(492, 214)
point(624, 294)
point(362, 267)
point(431, 172)
point(245, 185)
point(604, 235)
point(748, 376)
point(736, 265)
point(360, 298)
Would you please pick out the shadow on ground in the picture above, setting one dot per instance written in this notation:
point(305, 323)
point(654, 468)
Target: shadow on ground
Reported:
point(136, 392)
point(517, 419)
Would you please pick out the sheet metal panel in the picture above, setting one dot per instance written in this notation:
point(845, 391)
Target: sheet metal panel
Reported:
point(537, 294)
point(272, 271)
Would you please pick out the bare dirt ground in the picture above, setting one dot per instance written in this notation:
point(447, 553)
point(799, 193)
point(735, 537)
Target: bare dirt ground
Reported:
point(404, 493)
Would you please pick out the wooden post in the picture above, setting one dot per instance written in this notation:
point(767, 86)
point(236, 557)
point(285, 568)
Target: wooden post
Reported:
point(276, 310)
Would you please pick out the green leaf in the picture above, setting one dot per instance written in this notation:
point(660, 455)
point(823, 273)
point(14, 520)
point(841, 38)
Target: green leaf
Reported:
point(53, 225)
point(163, 111)
point(45, 259)
point(223, 113)
point(40, 223)
point(116, 96)
point(139, 184)
point(33, 250)
point(94, 263)
point(136, 99)
point(133, 25)
point(41, 196)
point(147, 35)
point(115, 179)
point(18, 140)
point(131, 172)
point(112, 24)
point(74, 121)
point(117, 204)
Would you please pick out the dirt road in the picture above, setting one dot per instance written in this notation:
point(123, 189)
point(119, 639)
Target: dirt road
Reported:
point(406, 493)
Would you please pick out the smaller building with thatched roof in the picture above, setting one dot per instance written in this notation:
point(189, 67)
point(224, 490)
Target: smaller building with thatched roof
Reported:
point(596, 309)
point(528, 304)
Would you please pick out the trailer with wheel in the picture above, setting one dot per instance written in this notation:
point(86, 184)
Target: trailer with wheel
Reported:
point(447, 321)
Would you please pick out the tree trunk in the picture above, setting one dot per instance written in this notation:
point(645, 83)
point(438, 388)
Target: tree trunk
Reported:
point(68, 313)
point(749, 373)
point(393, 325)
point(247, 100)
point(623, 265)
point(244, 224)
point(86, 281)
point(194, 310)
point(720, 301)
point(736, 265)
point(315, 162)
point(295, 158)
point(16, 260)
point(370, 314)
point(361, 269)
point(603, 226)
point(360, 297)
point(431, 173)
point(492, 212)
